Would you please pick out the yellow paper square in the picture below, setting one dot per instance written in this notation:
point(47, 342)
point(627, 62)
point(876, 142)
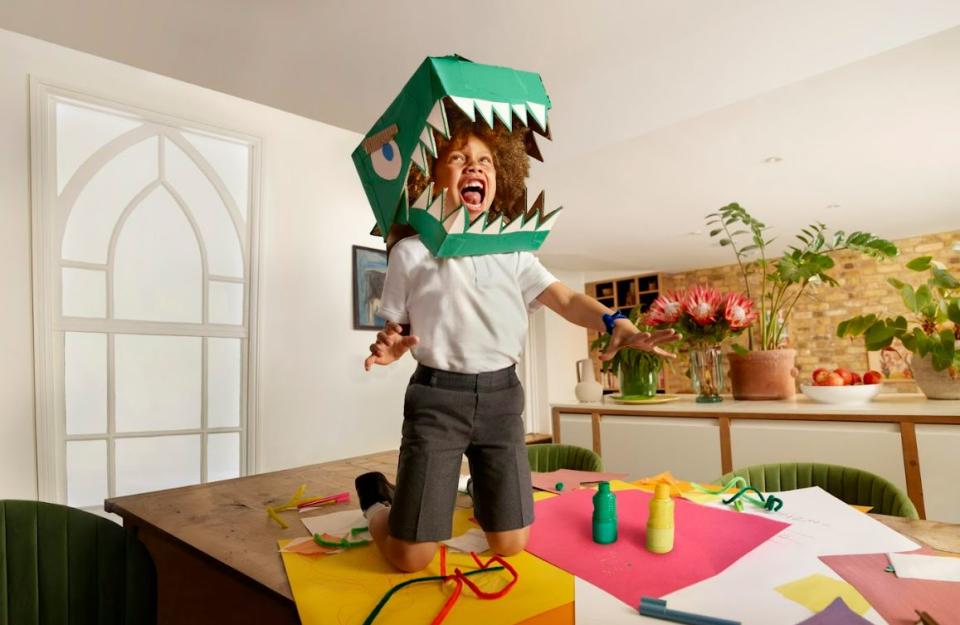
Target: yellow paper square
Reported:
point(342, 589)
point(817, 591)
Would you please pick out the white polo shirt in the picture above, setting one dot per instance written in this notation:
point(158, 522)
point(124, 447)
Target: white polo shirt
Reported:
point(470, 312)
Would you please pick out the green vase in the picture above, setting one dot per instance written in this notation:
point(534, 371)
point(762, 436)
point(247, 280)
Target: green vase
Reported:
point(640, 379)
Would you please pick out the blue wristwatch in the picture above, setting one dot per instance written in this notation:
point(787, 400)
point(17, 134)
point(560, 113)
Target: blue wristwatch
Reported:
point(611, 320)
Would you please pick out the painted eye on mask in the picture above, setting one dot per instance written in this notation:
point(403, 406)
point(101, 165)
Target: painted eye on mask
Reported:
point(384, 153)
point(386, 160)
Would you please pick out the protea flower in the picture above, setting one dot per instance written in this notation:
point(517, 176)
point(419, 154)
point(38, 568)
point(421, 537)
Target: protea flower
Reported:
point(703, 303)
point(666, 309)
point(738, 311)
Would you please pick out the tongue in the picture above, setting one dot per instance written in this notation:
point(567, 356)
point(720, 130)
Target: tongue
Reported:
point(472, 197)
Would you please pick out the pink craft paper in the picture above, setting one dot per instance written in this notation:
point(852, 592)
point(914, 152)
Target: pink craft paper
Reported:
point(707, 541)
point(571, 479)
point(895, 598)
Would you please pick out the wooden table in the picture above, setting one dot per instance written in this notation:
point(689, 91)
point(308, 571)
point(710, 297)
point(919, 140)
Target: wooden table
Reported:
point(216, 554)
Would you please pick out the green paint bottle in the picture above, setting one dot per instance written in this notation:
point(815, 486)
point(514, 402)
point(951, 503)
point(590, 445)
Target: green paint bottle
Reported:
point(604, 515)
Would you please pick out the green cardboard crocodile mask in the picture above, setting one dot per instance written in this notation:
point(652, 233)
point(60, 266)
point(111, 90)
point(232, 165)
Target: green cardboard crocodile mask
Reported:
point(403, 138)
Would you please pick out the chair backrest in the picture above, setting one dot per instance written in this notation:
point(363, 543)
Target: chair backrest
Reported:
point(854, 486)
point(544, 458)
point(63, 566)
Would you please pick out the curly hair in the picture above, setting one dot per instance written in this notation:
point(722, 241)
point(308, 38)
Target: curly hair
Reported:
point(509, 159)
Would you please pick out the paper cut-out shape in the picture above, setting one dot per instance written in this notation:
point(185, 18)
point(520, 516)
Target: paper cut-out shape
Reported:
point(472, 540)
point(919, 566)
point(305, 545)
point(817, 591)
point(570, 479)
point(896, 598)
point(837, 613)
point(708, 540)
point(343, 589)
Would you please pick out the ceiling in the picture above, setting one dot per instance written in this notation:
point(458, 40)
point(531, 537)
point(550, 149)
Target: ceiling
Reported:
point(663, 111)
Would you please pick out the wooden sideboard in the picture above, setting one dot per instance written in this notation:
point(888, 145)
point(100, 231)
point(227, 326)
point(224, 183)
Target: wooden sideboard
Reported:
point(703, 441)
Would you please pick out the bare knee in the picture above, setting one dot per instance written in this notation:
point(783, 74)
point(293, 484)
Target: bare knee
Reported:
point(510, 542)
point(407, 556)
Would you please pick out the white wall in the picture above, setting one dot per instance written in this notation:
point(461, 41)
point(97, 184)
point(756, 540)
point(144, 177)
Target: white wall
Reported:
point(558, 345)
point(316, 403)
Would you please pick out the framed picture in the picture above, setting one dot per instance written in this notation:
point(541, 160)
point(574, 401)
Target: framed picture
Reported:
point(369, 272)
point(893, 362)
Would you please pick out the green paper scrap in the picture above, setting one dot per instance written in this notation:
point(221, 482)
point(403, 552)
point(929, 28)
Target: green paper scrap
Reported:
point(402, 139)
point(817, 591)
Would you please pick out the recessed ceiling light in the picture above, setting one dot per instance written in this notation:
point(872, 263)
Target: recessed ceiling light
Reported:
point(694, 233)
point(772, 159)
point(833, 206)
point(956, 246)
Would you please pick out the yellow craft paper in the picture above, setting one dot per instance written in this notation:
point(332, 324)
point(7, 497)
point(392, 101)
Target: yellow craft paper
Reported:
point(817, 591)
point(863, 509)
point(342, 589)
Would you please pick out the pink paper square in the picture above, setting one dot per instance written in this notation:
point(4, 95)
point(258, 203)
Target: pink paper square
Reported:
point(894, 598)
point(707, 541)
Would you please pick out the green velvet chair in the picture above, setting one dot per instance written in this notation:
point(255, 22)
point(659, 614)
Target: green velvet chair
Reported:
point(545, 458)
point(62, 566)
point(854, 486)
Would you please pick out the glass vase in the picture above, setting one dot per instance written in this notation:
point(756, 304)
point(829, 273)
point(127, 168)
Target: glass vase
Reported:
point(706, 373)
point(639, 379)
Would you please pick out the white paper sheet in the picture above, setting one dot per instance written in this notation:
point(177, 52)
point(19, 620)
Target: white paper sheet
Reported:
point(820, 524)
point(471, 540)
point(940, 568)
point(337, 524)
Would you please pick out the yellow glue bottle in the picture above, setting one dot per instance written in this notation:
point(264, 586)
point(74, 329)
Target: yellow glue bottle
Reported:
point(660, 521)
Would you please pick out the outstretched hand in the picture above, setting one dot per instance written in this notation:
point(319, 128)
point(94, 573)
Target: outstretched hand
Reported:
point(391, 345)
point(626, 335)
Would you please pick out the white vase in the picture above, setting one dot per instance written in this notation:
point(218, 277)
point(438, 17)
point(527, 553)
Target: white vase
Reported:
point(587, 389)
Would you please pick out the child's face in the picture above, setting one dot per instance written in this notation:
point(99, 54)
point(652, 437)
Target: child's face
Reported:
point(465, 169)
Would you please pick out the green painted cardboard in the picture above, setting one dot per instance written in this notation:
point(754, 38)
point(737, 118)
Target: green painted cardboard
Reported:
point(402, 138)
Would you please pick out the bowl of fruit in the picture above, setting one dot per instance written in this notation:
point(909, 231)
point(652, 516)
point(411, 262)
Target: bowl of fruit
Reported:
point(843, 386)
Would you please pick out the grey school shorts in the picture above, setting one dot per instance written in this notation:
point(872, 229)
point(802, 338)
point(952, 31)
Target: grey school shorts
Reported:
point(447, 415)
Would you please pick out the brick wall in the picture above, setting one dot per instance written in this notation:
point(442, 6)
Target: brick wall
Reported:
point(812, 327)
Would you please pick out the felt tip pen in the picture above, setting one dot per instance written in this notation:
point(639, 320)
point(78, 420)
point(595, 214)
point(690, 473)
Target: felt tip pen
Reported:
point(657, 608)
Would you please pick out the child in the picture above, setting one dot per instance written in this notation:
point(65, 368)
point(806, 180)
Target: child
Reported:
point(467, 321)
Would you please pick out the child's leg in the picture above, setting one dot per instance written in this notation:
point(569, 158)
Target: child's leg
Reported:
point(510, 542)
point(502, 492)
point(406, 556)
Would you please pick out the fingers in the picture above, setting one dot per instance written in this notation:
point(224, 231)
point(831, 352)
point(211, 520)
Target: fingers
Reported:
point(369, 362)
point(663, 353)
point(409, 341)
point(392, 327)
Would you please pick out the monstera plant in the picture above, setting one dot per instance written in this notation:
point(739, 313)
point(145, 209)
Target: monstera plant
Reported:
point(932, 333)
point(763, 370)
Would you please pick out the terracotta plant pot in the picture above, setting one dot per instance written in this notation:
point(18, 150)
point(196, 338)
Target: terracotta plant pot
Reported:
point(935, 384)
point(764, 374)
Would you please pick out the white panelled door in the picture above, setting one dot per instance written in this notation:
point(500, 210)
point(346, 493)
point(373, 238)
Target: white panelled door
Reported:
point(145, 259)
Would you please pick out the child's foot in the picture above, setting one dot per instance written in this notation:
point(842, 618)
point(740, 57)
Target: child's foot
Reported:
point(373, 488)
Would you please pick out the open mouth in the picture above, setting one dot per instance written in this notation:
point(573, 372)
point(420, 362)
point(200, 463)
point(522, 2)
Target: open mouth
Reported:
point(472, 193)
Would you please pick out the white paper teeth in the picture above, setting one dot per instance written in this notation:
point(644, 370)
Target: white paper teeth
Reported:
point(485, 108)
point(423, 201)
point(466, 105)
point(438, 119)
point(419, 159)
point(520, 112)
point(458, 221)
point(495, 226)
point(502, 109)
point(426, 139)
point(539, 112)
point(478, 225)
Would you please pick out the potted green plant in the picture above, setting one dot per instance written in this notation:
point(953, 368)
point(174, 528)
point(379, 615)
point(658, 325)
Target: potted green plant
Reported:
point(763, 370)
point(638, 371)
point(932, 334)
